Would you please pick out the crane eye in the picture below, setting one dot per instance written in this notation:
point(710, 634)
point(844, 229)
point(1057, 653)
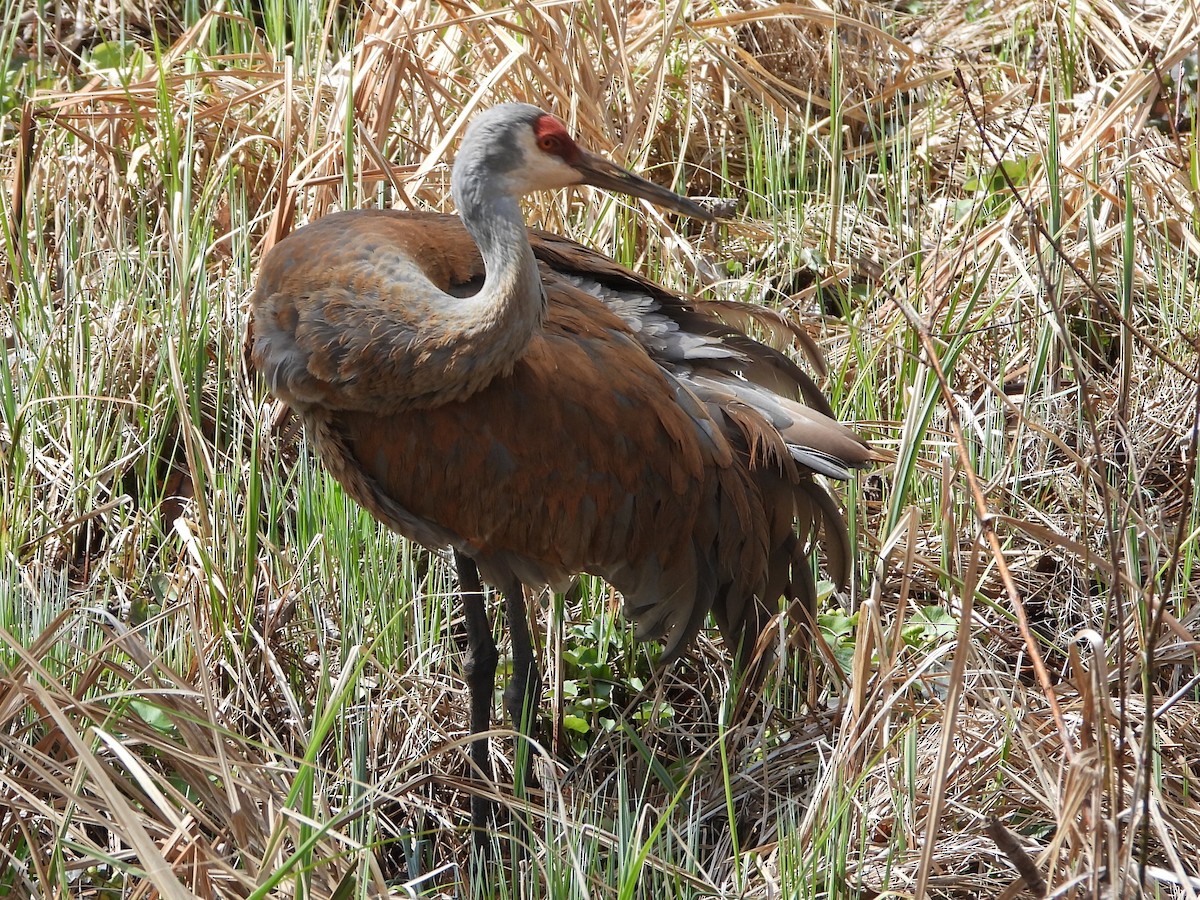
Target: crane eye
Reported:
point(549, 143)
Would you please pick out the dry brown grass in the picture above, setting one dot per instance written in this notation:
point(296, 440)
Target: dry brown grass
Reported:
point(189, 703)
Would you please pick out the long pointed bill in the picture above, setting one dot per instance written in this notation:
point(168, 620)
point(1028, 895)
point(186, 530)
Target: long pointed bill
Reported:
point(600, 172)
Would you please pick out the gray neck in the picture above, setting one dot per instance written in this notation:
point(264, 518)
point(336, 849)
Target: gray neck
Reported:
point(496, 324)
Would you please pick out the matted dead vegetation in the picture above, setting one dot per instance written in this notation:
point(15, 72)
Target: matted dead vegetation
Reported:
point(217, 678)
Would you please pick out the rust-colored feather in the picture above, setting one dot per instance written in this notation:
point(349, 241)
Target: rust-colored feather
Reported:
point(639, 436)
point(556, 413)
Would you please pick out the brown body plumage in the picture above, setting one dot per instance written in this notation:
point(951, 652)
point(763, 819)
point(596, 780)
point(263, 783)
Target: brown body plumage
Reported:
point(593, 423)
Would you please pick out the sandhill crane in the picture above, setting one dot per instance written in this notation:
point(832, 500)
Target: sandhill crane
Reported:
point(544, 411)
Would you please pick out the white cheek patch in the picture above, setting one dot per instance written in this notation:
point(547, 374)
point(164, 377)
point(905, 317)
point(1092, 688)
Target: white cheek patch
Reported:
point(542, 171)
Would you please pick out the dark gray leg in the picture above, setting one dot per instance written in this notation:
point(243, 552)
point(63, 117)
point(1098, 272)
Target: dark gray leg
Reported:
point(480, 671)
point(524, 691)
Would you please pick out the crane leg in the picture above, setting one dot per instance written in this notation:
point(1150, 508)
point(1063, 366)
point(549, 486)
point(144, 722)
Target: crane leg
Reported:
point(521, 696)
point(524, 690)
point(480, 672)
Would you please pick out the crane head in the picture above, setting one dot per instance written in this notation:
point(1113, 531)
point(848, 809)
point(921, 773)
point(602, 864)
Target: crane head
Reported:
point(532, 151)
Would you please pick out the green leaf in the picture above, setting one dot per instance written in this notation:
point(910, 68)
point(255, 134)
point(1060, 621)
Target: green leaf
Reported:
point(153, 716)
point(119, 61)
point(575, 723)
point(837, 624)
point(929, 625)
